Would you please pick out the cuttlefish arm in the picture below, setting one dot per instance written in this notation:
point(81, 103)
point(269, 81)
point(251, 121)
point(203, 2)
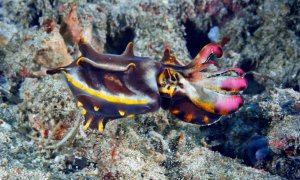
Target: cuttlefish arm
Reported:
point(215, 94)
point(184, 109)
point(211, 49)
point(228, 80)
point(200, 62)
point(170, 59)
point(211, 101)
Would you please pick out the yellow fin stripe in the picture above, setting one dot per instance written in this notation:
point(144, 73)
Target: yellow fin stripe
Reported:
point(112, 99)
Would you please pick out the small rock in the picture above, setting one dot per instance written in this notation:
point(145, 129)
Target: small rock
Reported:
point(6, 33)
point(53, 52)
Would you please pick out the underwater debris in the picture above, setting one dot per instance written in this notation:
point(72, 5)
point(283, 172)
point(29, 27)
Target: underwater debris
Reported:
point(69, 136)
point(214, 34)
point(5, 126)
point(53, 52)
point(5, 36)
point(48, 25)
point(76, 163)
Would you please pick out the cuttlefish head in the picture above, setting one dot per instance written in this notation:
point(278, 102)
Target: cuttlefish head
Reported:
point(201, 84)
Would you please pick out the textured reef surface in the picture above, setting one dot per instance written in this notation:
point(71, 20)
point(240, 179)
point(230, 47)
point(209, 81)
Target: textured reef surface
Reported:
point(37, 111)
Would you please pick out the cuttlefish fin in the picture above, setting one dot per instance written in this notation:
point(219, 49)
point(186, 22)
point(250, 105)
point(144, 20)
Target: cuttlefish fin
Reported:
point(129, 50)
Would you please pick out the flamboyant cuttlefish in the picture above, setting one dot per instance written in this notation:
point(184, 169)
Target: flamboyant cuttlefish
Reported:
point(109, 87)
